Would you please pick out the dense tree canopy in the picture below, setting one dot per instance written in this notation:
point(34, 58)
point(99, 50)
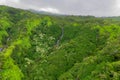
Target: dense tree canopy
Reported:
point(89, 47)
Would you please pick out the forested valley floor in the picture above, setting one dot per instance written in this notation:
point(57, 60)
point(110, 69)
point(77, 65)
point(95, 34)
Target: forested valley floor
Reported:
point(56, 47)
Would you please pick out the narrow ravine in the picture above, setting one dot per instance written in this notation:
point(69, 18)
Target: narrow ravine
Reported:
point(60, 37)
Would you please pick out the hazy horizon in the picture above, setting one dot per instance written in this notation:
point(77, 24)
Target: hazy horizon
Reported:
point(69, 7)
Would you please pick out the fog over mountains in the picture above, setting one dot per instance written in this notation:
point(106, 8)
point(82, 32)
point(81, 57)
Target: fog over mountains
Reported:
point(72, 7)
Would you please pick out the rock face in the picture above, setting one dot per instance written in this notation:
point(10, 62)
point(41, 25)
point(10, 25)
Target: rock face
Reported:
point(1, 49)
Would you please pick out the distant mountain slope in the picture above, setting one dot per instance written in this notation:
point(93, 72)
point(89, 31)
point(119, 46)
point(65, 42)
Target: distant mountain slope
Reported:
point(43, 12)
point(117, 18)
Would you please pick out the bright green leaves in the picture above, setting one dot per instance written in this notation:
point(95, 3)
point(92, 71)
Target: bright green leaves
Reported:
point(76, 24)
point(9, 51)
point(46, 22)
point(32, 24)
point(19, 36)
point(4, 25)
point(2, 34)
point(27, 25)
point(112, 31)
point(10, 71)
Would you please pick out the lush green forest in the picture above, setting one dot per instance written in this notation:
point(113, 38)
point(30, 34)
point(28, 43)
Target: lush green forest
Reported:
point(46, 47)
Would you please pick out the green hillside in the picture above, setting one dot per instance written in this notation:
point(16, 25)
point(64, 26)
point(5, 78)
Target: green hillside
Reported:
point(47, 47)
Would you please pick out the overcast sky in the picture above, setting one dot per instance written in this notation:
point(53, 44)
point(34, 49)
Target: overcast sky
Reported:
point(72, 7)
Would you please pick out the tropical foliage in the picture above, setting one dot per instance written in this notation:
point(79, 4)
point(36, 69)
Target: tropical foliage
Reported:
point(43, 47)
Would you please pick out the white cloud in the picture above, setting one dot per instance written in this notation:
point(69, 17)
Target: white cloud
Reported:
point(2, 2)
point(116, 8)
point(118, 3)
point(14, 1)
point(7, 2)
point(51, 10)
point(74, 7)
